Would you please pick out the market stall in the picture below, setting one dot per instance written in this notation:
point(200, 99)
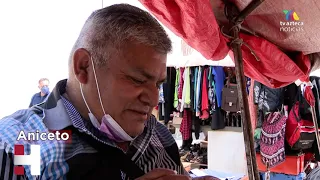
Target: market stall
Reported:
point(274, 43)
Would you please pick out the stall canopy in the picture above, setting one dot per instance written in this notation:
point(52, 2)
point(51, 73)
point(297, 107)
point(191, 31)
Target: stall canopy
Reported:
point(271, 32)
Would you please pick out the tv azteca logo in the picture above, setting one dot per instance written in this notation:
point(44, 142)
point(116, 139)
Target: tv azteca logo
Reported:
point(34, 158)
point(292, 23)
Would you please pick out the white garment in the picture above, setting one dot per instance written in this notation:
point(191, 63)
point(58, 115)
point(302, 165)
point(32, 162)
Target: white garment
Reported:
point(186, 74)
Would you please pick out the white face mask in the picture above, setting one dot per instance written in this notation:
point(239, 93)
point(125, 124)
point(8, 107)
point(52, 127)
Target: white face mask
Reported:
point(108, 125)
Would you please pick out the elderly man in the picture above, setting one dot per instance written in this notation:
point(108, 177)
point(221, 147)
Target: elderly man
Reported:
point(115, 69)
point(43, 94)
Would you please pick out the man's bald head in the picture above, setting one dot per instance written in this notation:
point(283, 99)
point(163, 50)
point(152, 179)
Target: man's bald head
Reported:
point(107, 31)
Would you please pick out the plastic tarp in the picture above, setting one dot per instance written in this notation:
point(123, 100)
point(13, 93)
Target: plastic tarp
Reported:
point(197, 22)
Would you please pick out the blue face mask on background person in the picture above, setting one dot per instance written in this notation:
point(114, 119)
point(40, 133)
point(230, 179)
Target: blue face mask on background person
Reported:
point(45, 90)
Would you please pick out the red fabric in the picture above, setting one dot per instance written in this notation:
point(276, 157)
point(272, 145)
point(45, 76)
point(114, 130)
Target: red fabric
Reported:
point(194, 22)
point(204, 96)
point(252, 107)
point(308, 95)
point(275, 69)
point(186, 124)
point(295, 124)
point(180, 88)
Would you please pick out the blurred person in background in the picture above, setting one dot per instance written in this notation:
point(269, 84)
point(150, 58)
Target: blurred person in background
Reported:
point(42, 95)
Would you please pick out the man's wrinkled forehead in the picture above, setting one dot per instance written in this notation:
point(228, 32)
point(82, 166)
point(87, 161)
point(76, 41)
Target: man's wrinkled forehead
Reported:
point(139, 55)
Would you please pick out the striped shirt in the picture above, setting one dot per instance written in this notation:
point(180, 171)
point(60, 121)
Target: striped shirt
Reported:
point(154, 148)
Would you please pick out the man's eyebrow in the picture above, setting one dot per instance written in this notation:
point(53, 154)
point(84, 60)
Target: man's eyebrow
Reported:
point(144, 73)
point(149, 76)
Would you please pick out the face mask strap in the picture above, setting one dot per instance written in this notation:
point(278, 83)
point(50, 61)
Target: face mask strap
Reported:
point(95, 77)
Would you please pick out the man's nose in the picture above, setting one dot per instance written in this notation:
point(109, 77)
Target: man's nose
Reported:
point(150, 96)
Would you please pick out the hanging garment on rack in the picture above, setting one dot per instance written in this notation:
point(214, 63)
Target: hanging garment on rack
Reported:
point(218, 119)
point(198, 92)
point(268, 99)
point(176, 99)
point(185, 100)
point(196, 124)
point(219, 77)
point(161, 103)
point(195, 78)
point(191, 80)
point(161, 95)
point(204, 96)
point(211, 91)
point(316, 87)
point(180, 88)
point(168, 91)
point(160, 111)
point(290, 93)
point(186, 124)
point(248, 84)
point(252, 107)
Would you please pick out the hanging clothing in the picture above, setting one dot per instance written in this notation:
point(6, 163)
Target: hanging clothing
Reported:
point(196, 124)
point(211, 91)
point(176, 99)
point(168, 91)
point(219, 78)
point(248, 85)
point(186, 124)
point(252, 107)
point(160, 112)
point(161, 95)
point(195, 86)
point(180, 88)
point(218, 119)
point(316, 87)
point(192, 92)
point(204, 96)
point(268, 99)
point(198, 94)
point(185, 100)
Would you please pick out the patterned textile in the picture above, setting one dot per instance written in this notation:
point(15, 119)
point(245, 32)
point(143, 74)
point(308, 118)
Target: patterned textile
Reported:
point(186, 124)
point(272, 139)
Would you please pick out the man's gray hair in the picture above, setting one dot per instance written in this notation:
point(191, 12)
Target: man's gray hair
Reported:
point(108, 30)
point(43, 79)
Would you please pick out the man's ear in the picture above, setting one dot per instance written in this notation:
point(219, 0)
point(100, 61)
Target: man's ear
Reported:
point(81, 62)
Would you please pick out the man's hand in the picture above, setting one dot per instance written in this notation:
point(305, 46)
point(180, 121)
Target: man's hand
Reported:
point(167, 174)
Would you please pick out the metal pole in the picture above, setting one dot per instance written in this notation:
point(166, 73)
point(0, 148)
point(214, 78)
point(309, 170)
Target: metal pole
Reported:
point(244, 108)
point(315, 122)
point(243, 98)
point(246, 11)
